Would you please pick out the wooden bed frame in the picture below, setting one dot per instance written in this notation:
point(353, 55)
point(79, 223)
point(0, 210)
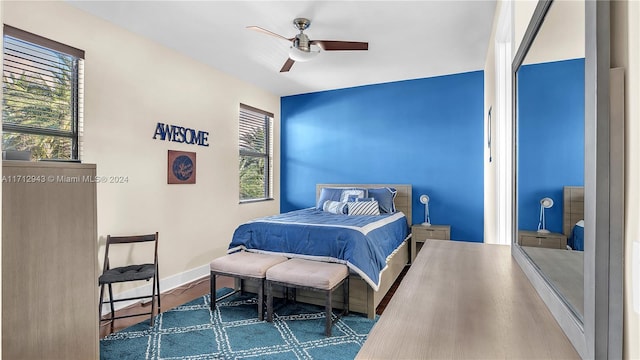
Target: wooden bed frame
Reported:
point(573, 211)
point(362, 298)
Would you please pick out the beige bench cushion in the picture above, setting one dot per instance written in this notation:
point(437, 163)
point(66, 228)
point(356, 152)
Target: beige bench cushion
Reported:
point(245, 263)
point(314, 274)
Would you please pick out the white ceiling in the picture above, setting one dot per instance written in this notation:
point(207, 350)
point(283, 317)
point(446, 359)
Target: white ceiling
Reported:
point(407, 39)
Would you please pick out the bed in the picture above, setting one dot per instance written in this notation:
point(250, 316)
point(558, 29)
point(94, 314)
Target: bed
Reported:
point(573, 216)
point(375, 248)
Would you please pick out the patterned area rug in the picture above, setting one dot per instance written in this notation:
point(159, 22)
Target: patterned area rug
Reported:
point(192, 331)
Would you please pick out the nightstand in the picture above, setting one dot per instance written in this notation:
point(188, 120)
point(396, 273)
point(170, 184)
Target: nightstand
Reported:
point(536, 239)
point(420, 234)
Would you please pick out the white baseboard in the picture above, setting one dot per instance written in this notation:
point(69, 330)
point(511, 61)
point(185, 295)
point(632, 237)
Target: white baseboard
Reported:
point(166, 284)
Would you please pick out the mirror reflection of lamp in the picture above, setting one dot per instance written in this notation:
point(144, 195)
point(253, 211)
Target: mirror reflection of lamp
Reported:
point(424, 199)
point(545, 203)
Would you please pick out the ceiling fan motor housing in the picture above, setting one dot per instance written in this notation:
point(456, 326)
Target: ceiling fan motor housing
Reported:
point(301, 42)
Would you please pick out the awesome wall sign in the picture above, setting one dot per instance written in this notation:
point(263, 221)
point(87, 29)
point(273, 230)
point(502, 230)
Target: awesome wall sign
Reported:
point(181, 134)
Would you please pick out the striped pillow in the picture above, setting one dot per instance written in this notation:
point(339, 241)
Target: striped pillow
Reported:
point(363, 208)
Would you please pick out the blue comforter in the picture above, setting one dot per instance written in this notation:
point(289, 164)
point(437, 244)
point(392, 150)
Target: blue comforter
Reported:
point(576, 240)
point(361, 242)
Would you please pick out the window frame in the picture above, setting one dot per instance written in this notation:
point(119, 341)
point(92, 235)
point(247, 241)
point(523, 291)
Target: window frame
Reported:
point(267, 155)
point(75, 99)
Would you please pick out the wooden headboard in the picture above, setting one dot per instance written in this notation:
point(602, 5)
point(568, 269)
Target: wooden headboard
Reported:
point(403, 197)
point(573, 207)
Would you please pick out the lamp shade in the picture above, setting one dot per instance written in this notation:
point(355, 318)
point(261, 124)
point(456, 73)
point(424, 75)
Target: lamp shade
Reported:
point(424, 199)
point(302, 56)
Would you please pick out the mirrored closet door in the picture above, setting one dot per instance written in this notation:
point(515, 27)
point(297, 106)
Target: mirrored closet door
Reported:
point(550, 151)
point(568, 223)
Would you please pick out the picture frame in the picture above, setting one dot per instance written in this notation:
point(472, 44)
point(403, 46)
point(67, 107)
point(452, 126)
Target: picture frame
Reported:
point(181, 167)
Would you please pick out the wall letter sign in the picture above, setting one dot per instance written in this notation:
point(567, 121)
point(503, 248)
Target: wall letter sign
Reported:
point(181, 134)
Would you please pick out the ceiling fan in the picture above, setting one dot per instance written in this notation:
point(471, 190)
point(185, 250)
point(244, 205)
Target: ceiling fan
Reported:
point(304, 49)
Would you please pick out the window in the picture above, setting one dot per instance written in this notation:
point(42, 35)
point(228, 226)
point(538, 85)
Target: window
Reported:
point(255, 153)
point(42, 96)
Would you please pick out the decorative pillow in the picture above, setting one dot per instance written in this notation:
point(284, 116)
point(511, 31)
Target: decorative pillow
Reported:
point(385, 197)
point(328, 194)
point(335, 207)
point(358, 198)
point(346, 193)
point(363, 208)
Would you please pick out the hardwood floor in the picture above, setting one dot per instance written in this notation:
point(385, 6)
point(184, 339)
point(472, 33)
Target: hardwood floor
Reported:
point(194, 290)
point(169, 300)
point(385, 300)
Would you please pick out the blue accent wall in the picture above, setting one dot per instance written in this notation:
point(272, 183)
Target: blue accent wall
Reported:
point(550, 138)
point(426, 132)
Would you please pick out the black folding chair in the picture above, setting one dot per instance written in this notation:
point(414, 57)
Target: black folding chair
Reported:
point(130, 272)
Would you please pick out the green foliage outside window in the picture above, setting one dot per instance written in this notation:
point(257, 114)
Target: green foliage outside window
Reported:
point(38, 101)
point(251, 178)
point(254, 157)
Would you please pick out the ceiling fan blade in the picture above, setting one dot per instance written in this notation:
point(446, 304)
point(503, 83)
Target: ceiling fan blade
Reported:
point(287, 65)
point(265, 31)
point(334, 45)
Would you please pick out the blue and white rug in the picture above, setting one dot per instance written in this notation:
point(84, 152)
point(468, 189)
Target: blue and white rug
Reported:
point(233, 331)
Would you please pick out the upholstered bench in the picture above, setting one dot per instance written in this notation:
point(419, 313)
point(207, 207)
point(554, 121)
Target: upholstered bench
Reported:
point(309, 275)
point(244, 266)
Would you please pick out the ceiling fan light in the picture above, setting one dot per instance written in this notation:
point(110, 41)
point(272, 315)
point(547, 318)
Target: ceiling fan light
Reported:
point(302, 56)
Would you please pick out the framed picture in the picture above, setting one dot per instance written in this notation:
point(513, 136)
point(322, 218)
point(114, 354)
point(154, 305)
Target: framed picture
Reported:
point(181, 167)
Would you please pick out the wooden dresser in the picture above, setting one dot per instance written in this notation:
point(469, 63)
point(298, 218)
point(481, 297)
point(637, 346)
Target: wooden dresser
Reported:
point(49, 261)
point(462, 300)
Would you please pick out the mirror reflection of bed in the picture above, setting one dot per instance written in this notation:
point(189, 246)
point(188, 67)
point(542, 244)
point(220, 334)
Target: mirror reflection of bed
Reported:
point(564, 268)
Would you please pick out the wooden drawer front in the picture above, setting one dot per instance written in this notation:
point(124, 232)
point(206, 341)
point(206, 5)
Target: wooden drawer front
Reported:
point(424, 234)
point(555, 242)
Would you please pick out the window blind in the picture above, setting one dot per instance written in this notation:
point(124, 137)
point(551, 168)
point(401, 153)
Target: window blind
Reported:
point(255, 153)
point(42, 93)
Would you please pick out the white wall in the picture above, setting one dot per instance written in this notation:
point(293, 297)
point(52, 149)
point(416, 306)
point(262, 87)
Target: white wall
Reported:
point(522, 13)
point(490, 207)
point(497, 90)
point(561, 36)
point(130, 85)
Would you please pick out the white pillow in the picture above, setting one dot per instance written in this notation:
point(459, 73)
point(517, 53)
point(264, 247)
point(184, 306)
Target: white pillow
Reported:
point(363, 208)
point(361, 193)
point(335, 207)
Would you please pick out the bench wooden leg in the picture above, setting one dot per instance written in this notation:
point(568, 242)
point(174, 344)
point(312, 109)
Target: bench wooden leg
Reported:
point(260, 300)
point(212, 284)
point(345, 299)
point(269, 300)
point(329, 312)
